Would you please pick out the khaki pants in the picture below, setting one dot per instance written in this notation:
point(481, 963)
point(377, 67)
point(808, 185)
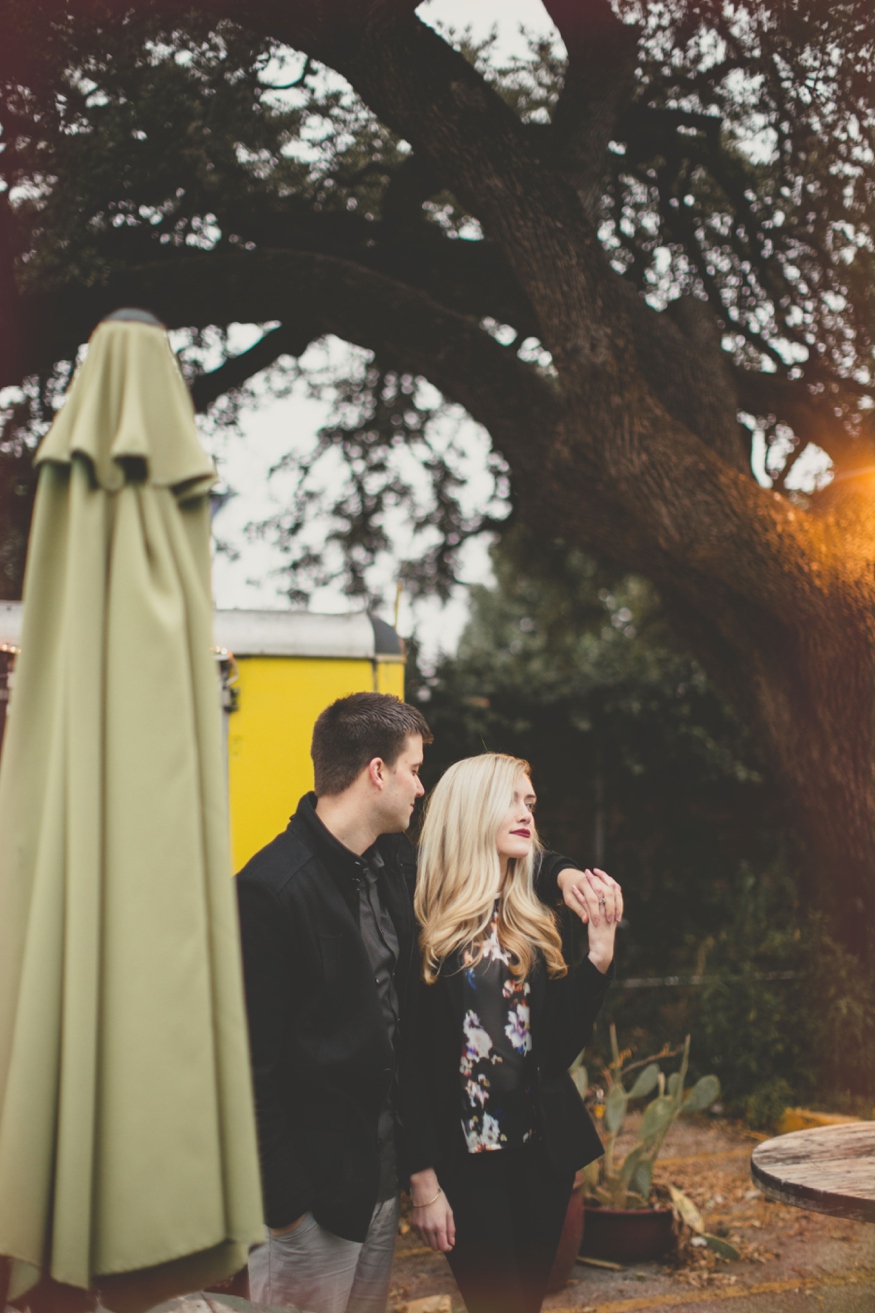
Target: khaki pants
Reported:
point(314, 1271)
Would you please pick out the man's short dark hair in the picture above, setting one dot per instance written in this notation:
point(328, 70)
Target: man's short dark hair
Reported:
point(356, 729)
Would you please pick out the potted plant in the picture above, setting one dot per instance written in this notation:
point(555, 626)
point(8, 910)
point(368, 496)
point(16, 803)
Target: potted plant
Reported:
point(625, 1222)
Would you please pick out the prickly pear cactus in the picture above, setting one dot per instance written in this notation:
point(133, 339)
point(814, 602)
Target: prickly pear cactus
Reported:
point(628, 1184)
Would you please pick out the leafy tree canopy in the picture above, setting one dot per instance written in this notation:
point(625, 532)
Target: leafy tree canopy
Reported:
point(735, 190)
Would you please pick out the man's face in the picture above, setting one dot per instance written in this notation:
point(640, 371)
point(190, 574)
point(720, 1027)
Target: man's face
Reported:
point(402, 787)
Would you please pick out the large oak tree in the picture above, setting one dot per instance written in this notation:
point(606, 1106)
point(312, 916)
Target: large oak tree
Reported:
point(619, 260)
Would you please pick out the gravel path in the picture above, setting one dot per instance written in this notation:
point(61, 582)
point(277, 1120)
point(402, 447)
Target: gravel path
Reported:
point(790, 1259)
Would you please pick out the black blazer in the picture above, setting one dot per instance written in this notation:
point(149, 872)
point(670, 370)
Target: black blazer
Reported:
point(322, 1062)
point(562, 1015)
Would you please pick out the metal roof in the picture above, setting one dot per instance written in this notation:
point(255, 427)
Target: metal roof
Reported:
point(276, 633)
point(306, 634)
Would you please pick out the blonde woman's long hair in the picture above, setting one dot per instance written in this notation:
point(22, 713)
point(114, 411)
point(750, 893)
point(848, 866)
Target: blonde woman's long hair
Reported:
point(459, 872)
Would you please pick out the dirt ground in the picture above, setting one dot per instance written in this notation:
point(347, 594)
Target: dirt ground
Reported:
point(790, 1259)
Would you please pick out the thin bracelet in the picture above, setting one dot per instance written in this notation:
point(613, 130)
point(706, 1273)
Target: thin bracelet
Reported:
point(430, 1201)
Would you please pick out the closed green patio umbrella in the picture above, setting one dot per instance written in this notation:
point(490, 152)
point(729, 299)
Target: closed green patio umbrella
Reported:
point(127, 1142)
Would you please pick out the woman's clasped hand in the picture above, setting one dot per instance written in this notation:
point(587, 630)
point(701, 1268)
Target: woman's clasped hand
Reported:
point(598, 900)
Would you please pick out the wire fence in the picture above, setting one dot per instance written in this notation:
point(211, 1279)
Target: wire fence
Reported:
point(658, 982)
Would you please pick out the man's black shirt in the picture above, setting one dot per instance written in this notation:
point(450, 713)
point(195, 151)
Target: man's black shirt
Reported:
point(381, 941)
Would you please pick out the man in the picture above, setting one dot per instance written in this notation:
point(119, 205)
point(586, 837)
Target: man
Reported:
point(330, 961)
point(329, 951)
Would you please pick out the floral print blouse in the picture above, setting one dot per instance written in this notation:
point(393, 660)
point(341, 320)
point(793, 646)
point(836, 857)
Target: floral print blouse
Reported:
point(495, 1066)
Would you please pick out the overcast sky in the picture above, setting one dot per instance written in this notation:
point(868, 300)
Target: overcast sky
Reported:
point(278, 425)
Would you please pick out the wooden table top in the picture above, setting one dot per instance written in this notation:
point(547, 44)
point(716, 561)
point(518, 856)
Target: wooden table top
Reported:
point(830, 1169)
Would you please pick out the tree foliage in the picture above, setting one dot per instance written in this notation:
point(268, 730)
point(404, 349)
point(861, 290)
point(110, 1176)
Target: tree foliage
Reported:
point(622, 255)
point(640, 766)
point(638, 763)
point(734, 190)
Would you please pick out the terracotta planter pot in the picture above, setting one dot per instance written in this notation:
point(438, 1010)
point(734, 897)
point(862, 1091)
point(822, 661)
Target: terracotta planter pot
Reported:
point(628, 1235)
point(569, 1243)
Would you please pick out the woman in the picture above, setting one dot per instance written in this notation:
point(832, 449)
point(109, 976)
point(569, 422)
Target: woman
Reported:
point(494, 1126)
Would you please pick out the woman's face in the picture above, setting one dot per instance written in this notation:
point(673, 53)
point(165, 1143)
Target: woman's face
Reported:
point(517, 830)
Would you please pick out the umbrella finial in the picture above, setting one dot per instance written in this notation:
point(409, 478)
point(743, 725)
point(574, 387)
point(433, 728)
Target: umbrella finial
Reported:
point(132, 313)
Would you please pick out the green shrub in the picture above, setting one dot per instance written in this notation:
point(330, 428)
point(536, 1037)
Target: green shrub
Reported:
point(763, 1108)
point(755, 1022)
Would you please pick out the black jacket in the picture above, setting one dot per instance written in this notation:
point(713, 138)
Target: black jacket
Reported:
point(321, 1059)
point(562, 1014)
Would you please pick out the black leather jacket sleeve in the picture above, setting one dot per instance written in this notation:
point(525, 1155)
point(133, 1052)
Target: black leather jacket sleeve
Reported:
point(572, 1006)
point(546, 883)
point(417, 1101)
point(286, 1187)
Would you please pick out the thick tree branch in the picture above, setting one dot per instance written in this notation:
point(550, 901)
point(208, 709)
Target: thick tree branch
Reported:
point(361, 306)
point(234, 372)
point(812, 416)
point(598, 84)
point(409, 188)
point(469, 277)
point(428, 93)
point(431, 95)
point(680, 357)
point(619, 447)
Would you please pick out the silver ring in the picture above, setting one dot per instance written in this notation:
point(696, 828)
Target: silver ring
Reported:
point(601, 902)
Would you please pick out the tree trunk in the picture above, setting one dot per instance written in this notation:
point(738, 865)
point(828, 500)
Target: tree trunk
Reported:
point(807, 693)
point(797, 663)
point(17, 491)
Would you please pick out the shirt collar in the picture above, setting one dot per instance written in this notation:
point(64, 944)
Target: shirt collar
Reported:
point(332, 852)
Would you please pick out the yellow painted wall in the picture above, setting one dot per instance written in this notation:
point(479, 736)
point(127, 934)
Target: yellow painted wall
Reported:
point(390, 678)
point(269, 736)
